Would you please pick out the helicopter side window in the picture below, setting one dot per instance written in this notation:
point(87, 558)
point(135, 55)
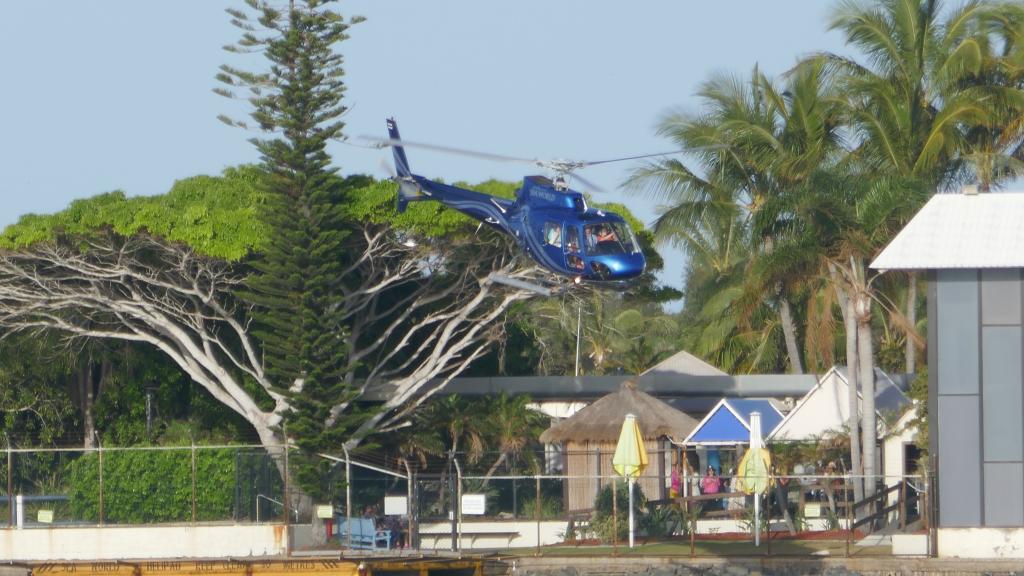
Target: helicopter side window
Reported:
point(626, 238)
point(553, 233)
point(572, 247)
point(609, 238)
point(601, 239)
point(572, 239)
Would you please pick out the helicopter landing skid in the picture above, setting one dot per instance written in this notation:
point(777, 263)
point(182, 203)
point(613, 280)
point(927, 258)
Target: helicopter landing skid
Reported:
point(521, 284)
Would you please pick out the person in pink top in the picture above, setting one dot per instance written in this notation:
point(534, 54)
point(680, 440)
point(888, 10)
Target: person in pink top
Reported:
point(710, 483)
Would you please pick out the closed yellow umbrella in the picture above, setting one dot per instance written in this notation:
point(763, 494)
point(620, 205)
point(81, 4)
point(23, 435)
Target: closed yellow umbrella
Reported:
point(630, 459)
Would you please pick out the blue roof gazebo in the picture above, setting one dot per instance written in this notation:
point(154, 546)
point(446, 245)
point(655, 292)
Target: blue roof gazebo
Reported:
point(728, 423)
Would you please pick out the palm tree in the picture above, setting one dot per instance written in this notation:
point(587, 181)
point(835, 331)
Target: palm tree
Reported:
point(753, 141)
point(514, 426)
point(912, 109)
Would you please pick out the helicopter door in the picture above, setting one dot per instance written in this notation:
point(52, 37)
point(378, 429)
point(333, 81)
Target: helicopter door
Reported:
point(553, 243)
point(573, 257)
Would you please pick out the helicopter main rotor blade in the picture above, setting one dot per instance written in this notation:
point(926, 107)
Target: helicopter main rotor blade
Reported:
point(593, 187)
point(656, 154)
point(387, 142)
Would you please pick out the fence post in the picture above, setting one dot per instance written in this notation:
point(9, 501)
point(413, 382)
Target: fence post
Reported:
point(10, 481)
point(615, 513)
point(457, 504)
point(933, 518)
point(408, 505)
point(348, 498)
point(193, 454)
point(99, 451)
point(285, 497)
point(537, 513)
point(849, 512)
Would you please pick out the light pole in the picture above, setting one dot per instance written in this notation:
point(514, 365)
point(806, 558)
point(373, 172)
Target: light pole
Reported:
point(579, 319)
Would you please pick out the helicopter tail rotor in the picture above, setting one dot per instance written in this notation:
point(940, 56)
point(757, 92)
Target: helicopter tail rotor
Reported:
point(401, 162)
point(408, 189)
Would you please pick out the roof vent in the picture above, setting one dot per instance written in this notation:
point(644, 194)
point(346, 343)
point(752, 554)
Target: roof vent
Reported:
point(970, 190)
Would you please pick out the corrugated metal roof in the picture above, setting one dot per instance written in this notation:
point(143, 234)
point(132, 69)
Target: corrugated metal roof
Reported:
point(960, 231)
point(684, 363)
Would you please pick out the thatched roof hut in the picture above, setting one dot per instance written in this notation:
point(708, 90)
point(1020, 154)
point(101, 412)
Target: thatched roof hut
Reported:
point(591, 434)
point(601, 421)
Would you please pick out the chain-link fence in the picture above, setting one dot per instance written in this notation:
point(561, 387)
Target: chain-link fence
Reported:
point(795, 515)
point(141, 485)
point(523, 503)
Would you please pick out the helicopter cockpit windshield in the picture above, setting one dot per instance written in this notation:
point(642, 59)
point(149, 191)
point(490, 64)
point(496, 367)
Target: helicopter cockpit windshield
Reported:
point(609, 238)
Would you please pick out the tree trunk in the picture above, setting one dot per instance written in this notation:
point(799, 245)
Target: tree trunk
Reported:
point(850, 322)
point(783, 500)
point(86, 399)
point(910, 365)
point(494, 468)
point(830, 496)
point(789, 332)
point(865, 349)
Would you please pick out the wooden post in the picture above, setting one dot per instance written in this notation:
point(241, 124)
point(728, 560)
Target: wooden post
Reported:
point(692, 520)
point(903, 504)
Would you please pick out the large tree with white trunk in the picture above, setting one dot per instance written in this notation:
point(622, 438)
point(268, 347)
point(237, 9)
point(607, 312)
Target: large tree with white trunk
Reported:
point(416, 312)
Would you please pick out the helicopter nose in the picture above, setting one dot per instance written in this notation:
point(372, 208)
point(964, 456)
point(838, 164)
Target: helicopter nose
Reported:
point(618, 268)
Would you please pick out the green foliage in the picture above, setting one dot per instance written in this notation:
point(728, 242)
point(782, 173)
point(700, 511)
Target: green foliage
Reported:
point(746, 521)
point(604, 523)
point(294, 290)
point(550, 507)
point(182, 410)
point(919, 395)
point(152, 486)
point(34, 409)
point(666, 521)
point(214, 215)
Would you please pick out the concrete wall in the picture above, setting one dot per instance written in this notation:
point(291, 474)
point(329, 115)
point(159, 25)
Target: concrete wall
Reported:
point(106, 542)
point(976, 371)
point(980, 543)
point(437, 536)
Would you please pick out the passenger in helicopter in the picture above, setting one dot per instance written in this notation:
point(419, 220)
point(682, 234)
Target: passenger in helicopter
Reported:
point(553, 235)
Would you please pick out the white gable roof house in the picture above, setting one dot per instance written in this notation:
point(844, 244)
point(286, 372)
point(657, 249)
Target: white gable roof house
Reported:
point(826, 407)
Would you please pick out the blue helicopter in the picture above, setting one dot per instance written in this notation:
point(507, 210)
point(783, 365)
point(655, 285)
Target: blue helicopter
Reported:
point(551, 223)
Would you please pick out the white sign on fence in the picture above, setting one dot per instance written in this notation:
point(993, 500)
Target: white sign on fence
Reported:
point(812, 510)
point(396, 505)
point(474, 503)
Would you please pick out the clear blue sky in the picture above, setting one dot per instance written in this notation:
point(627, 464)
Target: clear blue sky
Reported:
point(116, 94)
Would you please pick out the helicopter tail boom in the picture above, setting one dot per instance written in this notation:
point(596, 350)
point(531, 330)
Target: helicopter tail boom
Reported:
point(408, 189)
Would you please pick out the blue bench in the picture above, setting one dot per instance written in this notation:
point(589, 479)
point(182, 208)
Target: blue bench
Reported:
point(365, 535)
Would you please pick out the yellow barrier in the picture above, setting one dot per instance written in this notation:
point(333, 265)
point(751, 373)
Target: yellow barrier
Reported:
point(276, 567)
